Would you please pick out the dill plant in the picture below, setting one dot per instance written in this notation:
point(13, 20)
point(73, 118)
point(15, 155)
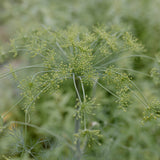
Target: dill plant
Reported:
point(84, 58)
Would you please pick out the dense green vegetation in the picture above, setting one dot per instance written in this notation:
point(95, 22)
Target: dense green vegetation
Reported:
point(79, 80)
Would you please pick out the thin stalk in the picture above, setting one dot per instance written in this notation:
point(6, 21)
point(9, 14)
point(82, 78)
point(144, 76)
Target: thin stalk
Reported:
point(84, 98)
point(84, 95)
point(102, 59)
point(12, 107)
point(19, 69)
point(77, 119)
point(132, 70)
point(121, 58)
point(27, 108)
point(108, 90)
point(62, 51)
point(25, 131)
point(33, 126)
point(139, 91)
point(75, 82)
point(94, 88)
point(145, 102)
point(128, 69)
point(138, 98)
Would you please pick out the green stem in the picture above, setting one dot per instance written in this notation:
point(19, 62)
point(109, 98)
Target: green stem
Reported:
point(25, 135)
point(15, 105)
point(77, 119)
point(25, 131)
point(19, 69)
point(84, 98)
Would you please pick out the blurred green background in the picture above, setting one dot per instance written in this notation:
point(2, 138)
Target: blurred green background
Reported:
point(125, 138)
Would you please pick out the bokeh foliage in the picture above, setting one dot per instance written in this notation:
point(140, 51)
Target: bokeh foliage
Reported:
point(133, 134)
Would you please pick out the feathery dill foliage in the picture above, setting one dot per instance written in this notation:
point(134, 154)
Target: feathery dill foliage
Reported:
point(76, 54)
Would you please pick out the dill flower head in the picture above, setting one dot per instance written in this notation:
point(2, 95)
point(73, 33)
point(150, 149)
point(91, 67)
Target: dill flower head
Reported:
point(75, 51)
